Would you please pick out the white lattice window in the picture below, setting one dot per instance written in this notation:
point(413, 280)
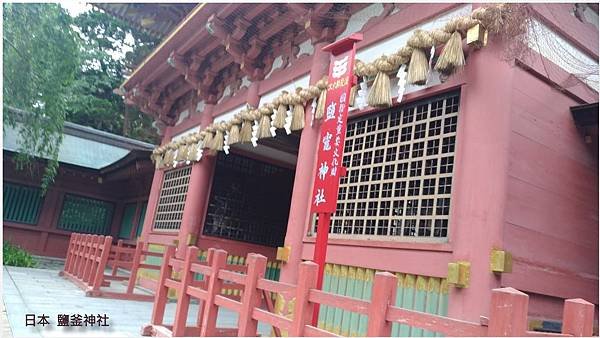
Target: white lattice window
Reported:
point(399, 176)
point(172, 199)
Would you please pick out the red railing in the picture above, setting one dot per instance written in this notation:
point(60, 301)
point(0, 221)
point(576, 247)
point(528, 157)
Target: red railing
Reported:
point(508, 312)
point(88, 257)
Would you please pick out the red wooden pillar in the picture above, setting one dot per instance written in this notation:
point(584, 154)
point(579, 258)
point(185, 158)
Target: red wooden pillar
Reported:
point(480, 177)
point(198, 192)
point(252, 296)
point(300, 204)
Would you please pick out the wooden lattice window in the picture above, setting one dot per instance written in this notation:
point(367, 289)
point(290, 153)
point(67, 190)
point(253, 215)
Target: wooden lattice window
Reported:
point(172, 199)
point(399, 176)
point(249, 201)
point(22, 204)
point(87, 215)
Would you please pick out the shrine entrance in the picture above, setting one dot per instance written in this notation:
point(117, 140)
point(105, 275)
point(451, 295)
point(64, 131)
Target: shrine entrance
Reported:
point(250, 196)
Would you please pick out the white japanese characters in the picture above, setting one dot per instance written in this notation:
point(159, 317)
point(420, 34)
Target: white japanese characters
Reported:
point(327, 141)
point(323, 170)
point(340, 67)
point(320, 197)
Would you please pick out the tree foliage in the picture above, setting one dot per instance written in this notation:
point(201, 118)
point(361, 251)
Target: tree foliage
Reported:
point(41, 58)
point(61, 68)
point(110, 48)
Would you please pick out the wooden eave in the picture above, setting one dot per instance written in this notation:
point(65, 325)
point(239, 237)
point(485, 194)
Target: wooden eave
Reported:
point(241, 40)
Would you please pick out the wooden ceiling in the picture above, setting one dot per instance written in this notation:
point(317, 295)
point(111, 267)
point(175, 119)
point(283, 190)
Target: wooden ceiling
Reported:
point(218, 44)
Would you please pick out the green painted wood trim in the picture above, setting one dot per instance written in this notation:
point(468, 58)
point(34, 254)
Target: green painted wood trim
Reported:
point(407, 301)
point(22, 204)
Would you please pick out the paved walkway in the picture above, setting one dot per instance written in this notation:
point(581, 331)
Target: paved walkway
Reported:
point(43, 292)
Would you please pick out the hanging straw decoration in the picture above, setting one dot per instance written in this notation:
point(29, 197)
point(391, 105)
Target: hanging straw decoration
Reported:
point(452, 57)
point(218, 141)
point(264, 126)
point(234, 131)
point(181, 150)
point(410, 63)
point(208, 137)
point(157, 157)
point(281, 102)
point(192, 153)
point(246, 131)
point(352, 99)
point(380, 95)
point(322, 86)
point(169, 155)
point(418, 68)
point(298, 111)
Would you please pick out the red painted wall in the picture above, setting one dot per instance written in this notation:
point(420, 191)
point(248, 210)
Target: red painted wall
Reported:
point(44, 238)
point(551, 216)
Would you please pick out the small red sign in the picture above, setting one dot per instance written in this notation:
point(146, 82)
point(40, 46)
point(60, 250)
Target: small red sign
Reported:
point(333, 127)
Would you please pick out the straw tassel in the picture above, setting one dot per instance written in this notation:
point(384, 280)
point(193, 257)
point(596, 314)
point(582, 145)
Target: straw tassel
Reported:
point(298, 111)
point(352, 99)
point(234, 131)
point(281, 103)
point(320, 111)
point(418, 68)
point(380, 95)
point(208, 137)
point(192, 153)
point(264, 125)
point(218, 141)
point(452, 57)
point(246, 131)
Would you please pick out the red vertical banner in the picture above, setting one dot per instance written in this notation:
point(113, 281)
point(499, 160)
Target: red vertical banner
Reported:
point(331, 145)
point(334, 123)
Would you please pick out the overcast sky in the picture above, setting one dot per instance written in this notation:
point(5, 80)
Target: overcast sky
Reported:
point(75, 7)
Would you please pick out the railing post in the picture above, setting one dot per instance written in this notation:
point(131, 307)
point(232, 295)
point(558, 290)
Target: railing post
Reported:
point(303, 309)
point(84, 257)
point(117, 257)
point(69, 258)
point(251, 298)
point(209, 258)
point(183, 302)
point(76, 250)
point(508, 313)
point(162, 291)
point(383, 295)
point(99, 278)
point(578, 318)
point(209, 315)
point(91, 262)
point(135, 265)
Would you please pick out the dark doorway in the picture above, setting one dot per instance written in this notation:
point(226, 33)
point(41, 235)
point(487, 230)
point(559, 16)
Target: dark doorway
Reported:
point(249, 201)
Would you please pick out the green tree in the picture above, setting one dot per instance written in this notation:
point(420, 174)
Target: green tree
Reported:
point(109, 50)
point(60, 68)
point(41, 58)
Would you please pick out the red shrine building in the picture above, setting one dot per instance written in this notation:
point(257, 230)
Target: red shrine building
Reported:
point(479, 179)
